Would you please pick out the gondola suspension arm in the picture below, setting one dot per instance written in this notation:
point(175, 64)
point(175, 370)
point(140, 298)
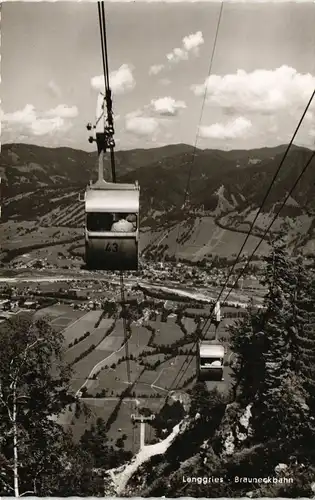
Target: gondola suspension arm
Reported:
point(105, 139)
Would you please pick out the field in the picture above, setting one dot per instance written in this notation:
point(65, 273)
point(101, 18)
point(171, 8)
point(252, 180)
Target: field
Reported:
point(169, 370)
point(74, 325)
point(138, 342)
point(189, 324)
point(93, 361)
point(82, 325)
point(95, 337)
point(61, 316)
point(166, 333)
point(56, 255)
point(50, 240)
point(26, 233)
point(107, 354)
point(149, 382)
point(203, 238)
point(114, 381)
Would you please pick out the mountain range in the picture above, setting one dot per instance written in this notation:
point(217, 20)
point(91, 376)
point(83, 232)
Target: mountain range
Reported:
point(222, 191)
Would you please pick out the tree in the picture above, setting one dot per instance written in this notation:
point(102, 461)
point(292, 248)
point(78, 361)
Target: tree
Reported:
point(275, 355)
point(304, 327)
point(281, 279)
point(34, 387)
point(199, 400)
point(168, 417)
point(94, 442)
point(84, 392)
point(246, 343)
point(206, 410)
point(120, 443)
point(276, 342)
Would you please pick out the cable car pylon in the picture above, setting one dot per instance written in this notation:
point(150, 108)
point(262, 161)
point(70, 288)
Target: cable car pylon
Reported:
point(142, 419)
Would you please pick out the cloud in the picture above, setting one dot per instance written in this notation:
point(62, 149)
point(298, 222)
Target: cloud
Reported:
point(193, 41)
point(177, 55)
point(63, 111)
point(24, 116)
point(261, 91)
point(190, 43)
point(233, 129)
point(120, 81)
point(39, 123)
point(44, 126)
point(141, 125)
point(167, 106)
point(155, 69)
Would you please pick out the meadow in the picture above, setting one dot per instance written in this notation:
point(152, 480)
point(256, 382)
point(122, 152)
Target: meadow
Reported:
point(95, 338)
point(83, 324)
point(61, 317)
point(166, 333)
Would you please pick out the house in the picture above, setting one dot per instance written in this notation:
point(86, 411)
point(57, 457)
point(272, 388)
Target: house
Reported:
point(29, 304)
point(5, 304)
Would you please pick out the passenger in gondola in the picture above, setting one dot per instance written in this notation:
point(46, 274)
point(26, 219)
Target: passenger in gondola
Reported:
point(133, 219)
point(122, 224)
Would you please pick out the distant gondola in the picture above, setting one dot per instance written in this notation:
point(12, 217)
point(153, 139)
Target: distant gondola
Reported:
point(210, 360)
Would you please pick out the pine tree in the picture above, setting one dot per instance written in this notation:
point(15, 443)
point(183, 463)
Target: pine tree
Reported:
point(276, 345)
point(246, 344)
point(280, 274)
point(304, 327)
point(199, 401)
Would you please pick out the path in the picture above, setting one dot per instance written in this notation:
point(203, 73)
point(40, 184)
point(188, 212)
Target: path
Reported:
point(122, 475)
point(116, 398)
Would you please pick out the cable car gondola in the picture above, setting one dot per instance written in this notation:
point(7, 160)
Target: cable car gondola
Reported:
point(111, 208)
point(112, 226)
point(210, 360)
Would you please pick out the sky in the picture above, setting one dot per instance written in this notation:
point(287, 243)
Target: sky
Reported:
point(164, 89)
